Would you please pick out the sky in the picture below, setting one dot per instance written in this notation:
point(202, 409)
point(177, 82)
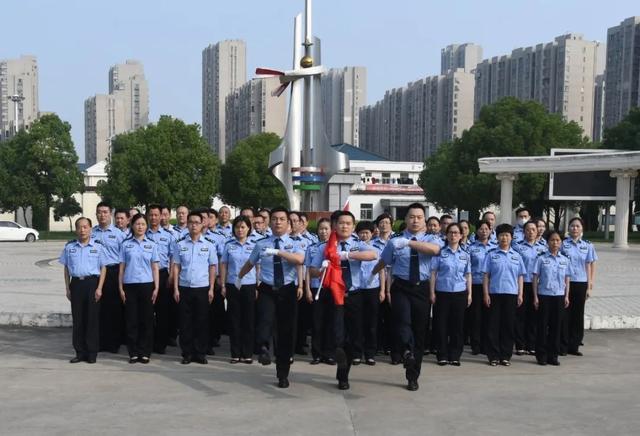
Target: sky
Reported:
point(76, 41)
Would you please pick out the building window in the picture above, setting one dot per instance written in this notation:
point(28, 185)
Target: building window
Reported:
point(386, 178)
point(366, 211)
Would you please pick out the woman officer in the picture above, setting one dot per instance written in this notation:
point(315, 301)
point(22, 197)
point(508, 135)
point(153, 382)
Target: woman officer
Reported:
point(139, 280)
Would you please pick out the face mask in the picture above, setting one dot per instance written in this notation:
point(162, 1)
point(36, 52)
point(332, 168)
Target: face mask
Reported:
point(522, 221)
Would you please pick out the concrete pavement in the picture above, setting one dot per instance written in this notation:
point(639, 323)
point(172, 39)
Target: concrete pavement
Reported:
point(32, 288)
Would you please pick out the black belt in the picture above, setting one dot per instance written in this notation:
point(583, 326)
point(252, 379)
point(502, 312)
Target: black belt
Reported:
point(273, 288)
point(113, 265)
point(85, 277)
point(408, 283)
point(163, 269)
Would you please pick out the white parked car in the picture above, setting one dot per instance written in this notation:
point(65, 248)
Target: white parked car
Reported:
point(12, 231)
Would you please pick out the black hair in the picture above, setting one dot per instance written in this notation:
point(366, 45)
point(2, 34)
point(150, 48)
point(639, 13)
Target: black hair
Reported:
point(446, 216)
point(504, 228)
point(403, 226)
point(137, 217)
point(383, 216)
point(365, 225)
point(280, 209)
point(455, 225)
point(345, 213)
point(538, 219)
point(487, 212)
point(194, 213)
point(124, 211)
point(433, 218)
point(576, 218)
point(550, 233)
point(154, 206)
point(414, 206)
point(253, 211)
point(104, 204)
point(164, 206)
point(88, 220)
point(530, 222)
point(264, 209)
point(334, 216)
point(303, 215)
point(240, 219)
point(212, 211)
point(323, 220)
point(523, 209)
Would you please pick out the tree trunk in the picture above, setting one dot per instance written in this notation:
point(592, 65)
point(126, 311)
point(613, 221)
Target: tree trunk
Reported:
point(24, 217)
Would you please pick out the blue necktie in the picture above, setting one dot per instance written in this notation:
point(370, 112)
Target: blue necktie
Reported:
point(278, 272)
point(414, 265)
point(346, 268)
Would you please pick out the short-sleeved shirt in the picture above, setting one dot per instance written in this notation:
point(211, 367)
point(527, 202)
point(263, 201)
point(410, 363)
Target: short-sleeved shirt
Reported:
point(400, 259)
point(477, 250)
point(452, 268)
point(235, 255)
point(138, 255)
point(226, 230)
point(504, 268)
point(310, 237)
point(308, 259)
point(219, 238)
point(164, 240)
point(529, 253)
point(111, 239)
point(352, 246)
point(83, 260)
point(266, 263)
point(194, 258)
point(580, 253)
point(552, 271)
point(518, 233)
point(367, 266)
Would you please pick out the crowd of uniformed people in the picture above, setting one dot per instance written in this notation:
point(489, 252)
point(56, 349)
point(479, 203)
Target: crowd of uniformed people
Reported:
point(430, 288)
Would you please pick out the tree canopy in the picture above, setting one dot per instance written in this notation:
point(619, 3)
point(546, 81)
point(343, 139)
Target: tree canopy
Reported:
point(246, 179)
point(168, 162)
point(626, 134)
point(38, 165)
point(509, 127)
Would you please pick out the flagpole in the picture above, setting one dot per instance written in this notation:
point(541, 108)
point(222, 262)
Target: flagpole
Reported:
point(321, 282)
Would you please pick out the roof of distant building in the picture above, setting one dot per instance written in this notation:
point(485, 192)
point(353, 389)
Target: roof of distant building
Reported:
point(83, 166)
point(356, 153)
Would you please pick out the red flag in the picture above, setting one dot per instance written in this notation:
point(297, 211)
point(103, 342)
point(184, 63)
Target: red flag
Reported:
point(333, 276)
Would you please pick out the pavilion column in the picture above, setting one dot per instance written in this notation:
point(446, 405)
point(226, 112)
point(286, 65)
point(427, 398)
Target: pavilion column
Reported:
point(506, 196)
point(623, 189)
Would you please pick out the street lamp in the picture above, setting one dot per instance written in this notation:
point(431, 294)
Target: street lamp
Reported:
point(16, 99)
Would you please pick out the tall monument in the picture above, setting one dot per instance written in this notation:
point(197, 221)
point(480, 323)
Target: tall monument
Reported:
point(305, 161)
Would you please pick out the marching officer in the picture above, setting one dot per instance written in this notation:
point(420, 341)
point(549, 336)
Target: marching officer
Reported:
point(194, 267)
point(409, 255)
point(111, 308)
point(281, 261)
point(84, 275)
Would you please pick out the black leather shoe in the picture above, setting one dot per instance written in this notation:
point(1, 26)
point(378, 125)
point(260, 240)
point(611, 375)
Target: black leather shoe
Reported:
point(76, 360)
point(185, 361)
point(91, 360)
point(576, 353)
point(264, 357)
point(330, 361)
point(553, 362)
point(133, 359)
point(283, 383)
point(542, 362)
point(343, 385)
point(454, 363)
point(315, 361)
point(412, 385)
point(409, 359)
point(200, 360)
point(370, 361)
point(356, 362)
point(144, 359)
point(442, 362)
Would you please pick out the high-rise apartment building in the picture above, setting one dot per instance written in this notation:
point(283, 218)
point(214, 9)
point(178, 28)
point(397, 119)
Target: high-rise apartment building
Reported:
point(251, 109)
point(560, 75)
point(455, 56)
point(127, 81)
point(344, 92)
point(622, 71)
point(104, 117)
point(18, 77)
point(598, 108)
point(410, 123)
point(224, 69)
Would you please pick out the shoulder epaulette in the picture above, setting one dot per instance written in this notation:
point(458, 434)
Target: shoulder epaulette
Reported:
point(262, 239)
point(492, 249)
point(129, 237)
point(587, 241)
point(210, 240)
point(71, 241)
point(228, 241)
point(98, 241)
point(296, 238)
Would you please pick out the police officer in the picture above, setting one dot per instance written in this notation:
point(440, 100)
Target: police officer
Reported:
point(181, 228)
point(348, 318)
point(386, 335)
point(224, 224)
point(111, 308)
point(450, 287)
point(281, 261)
point(477, 312)
point(164, 241)
point(583, 259)
point(503, 270)
point(409, 255)
point(323, 338)
point(240, 294)
point(529, 248)
point(523, 216)
point(304, 324)
point(84, 275)
point(371, 294)
point(121, 219)
point(489, 217)
point(194, 266)
point(139, 281)
point(218, 315)
point(551, 275)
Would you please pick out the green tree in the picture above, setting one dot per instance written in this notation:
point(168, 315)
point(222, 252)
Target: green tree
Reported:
point(510, 127)
point(246, 179)
point(66, 207)
point(39, 165)
point(168, 162)
point(626, 134)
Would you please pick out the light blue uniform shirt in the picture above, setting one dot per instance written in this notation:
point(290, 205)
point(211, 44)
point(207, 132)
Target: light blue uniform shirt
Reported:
point(551, 271)
point(518, 233)
point(352, 246)
point(477, 250)
point(83, 260)
point(235, 255)
point(310, 237)
point(218, 238)
point(194, 259)
point(451, 268)
point(226, 230)
point(399, 259)
point(493, 238)
point(579, 253)
point(164, 240)
point(111, 239)
point(308, 260)
point(504, 268)
point(529, 253)
point(367, 266)
point(266, 262)
point(138, 256)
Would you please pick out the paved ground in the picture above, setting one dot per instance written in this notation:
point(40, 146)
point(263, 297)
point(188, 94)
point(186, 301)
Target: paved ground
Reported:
point(40, 393)
point(32, 288)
